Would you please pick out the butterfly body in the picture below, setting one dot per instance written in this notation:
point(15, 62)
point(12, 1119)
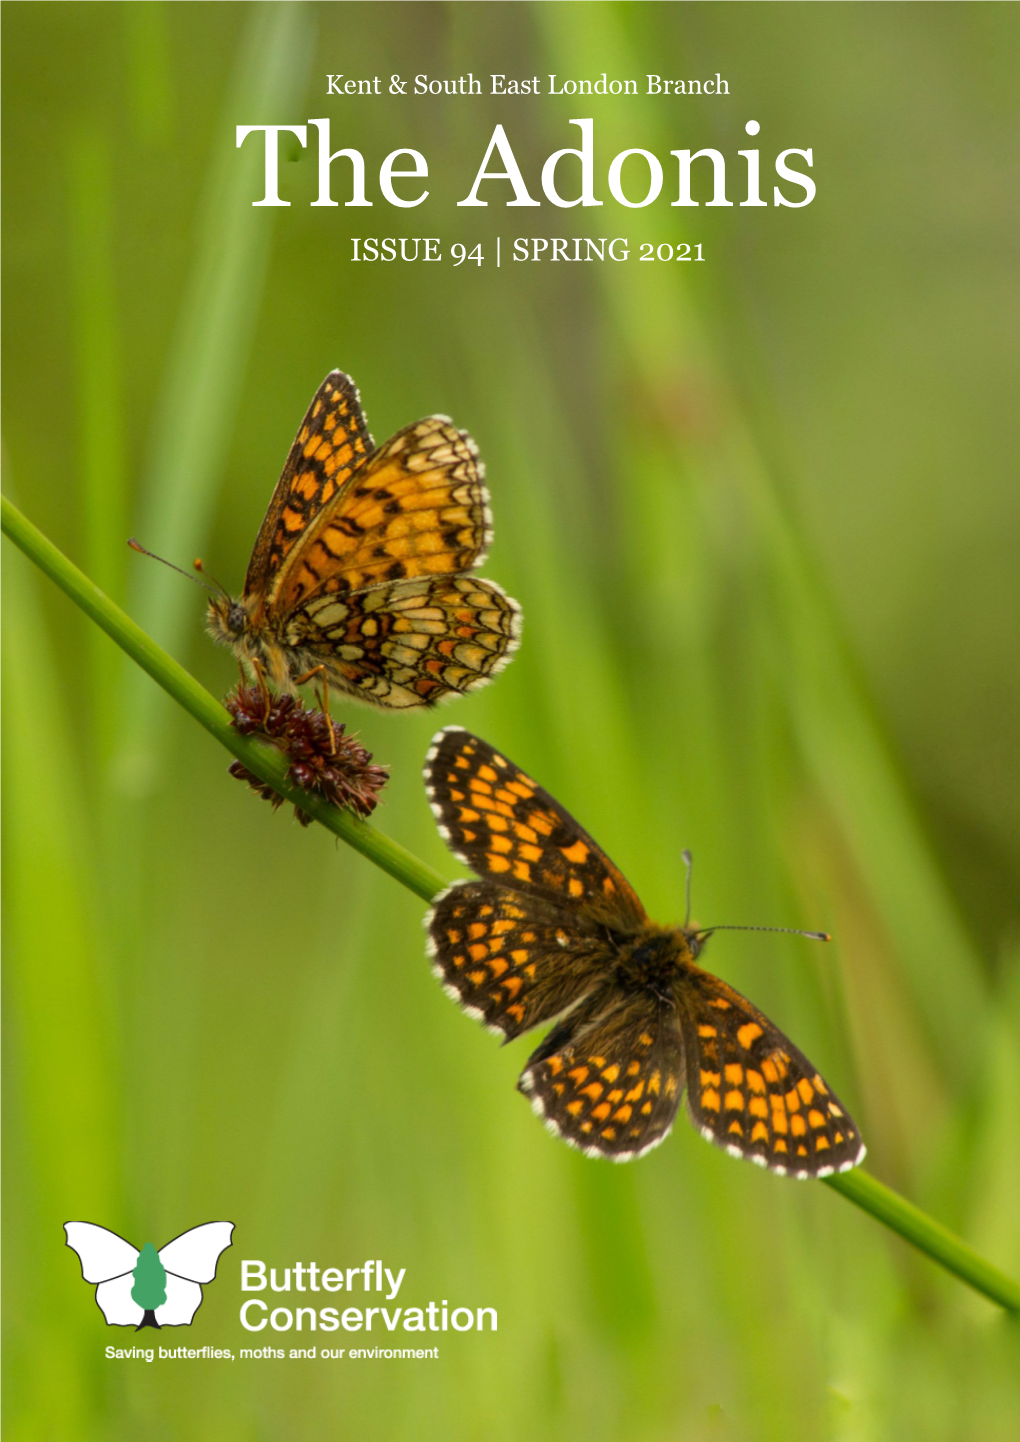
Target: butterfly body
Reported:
point(361, 569)
point(654, 961)
point(553, 933)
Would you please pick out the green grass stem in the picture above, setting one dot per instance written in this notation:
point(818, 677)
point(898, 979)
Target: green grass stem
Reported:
point(865, 1191)
point(205, 368)
point(261, 758)
point(929, 1236)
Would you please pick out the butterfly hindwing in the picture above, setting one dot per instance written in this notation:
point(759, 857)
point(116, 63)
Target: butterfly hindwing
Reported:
point(504, 826)
point(417, 507)
point(332, 442)
point(410, 643)
point(751, 1091)
point(511, 960)
point(608, 1079)
point(183, 1299)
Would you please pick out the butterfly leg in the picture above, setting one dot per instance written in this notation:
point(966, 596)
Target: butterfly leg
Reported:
point(323, 699)
point(262, 683)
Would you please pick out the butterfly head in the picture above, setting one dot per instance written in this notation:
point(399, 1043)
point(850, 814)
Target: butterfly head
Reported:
point(226, 619)
point(694, 940)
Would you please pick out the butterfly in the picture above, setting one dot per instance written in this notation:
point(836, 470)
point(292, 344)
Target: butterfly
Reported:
point(148, 1288)
point(360, 572)
point(553, 932)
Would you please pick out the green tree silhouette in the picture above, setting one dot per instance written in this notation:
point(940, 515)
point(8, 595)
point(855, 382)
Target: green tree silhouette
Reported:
point(149, 1290)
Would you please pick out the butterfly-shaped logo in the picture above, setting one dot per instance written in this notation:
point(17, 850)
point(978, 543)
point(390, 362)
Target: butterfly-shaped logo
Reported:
point(554, 933)
point(148, 1288)
point(359, 574)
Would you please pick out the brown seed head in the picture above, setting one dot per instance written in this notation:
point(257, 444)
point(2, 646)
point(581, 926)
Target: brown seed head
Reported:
point(323, 758)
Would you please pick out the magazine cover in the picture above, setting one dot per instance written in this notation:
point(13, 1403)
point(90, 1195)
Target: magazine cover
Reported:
point(512, 796)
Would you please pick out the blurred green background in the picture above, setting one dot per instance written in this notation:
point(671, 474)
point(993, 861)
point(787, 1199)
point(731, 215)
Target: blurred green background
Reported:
point(763, 517)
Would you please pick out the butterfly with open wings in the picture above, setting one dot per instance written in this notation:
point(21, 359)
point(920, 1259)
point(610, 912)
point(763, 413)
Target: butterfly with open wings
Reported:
point(553, 932)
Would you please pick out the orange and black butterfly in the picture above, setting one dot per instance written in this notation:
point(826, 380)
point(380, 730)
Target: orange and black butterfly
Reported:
point(554, 933)
point(360, 572)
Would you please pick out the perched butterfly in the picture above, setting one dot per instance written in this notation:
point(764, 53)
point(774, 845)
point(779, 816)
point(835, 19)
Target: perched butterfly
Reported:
point(554, 933)
point(360, 571)
point(148, 1288)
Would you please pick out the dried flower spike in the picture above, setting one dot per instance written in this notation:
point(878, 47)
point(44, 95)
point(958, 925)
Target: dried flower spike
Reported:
point(323, 758)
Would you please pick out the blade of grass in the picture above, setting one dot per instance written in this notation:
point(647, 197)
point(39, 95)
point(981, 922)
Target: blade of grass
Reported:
point(192, 422)
point(64, 1122)
point(865, 1191)
point(994, 1175)
point(103, 462)
point(147, 44)
point(205, 369)
point(54, 954)
point(929, 1236)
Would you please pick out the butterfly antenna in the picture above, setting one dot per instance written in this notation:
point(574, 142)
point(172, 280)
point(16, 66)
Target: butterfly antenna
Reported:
point(137, 546)
point(689, 863)
point(197, 563)
point(788, 930)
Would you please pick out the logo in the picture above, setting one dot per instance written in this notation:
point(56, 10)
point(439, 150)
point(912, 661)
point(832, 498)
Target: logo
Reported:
point(148, 1288)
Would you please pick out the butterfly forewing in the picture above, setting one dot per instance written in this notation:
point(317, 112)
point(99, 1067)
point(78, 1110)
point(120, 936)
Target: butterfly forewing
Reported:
point(408, 643)
point(608, 1079)
point(751, 1091)
point(510, 959)
point(418, 507)
point(332, 442)
point(102, 1253)
point(504, 826)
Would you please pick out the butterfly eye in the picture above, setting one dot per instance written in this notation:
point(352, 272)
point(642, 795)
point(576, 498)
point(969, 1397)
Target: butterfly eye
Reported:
point(236, 618)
